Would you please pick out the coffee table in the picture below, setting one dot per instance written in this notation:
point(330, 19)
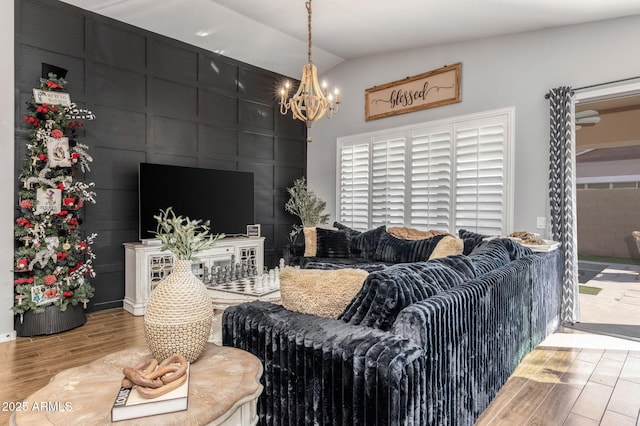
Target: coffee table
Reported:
point(224, 385)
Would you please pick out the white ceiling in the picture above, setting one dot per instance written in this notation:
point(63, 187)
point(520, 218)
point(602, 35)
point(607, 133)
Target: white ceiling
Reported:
point(272, 34)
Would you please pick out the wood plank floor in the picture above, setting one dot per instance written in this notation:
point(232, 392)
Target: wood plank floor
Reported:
point(570, 387)
point(552, 386)
point(30, 363)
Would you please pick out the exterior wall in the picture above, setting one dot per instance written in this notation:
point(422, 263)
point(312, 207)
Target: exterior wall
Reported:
point(606, 218)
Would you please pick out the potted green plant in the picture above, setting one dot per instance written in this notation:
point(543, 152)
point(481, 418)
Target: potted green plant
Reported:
point(179, 313)
point(309, 208)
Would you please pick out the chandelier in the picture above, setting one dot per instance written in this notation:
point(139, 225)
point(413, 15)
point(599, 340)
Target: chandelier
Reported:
point(312, 101)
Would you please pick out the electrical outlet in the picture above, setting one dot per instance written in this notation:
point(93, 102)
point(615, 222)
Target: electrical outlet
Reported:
point(542, 222)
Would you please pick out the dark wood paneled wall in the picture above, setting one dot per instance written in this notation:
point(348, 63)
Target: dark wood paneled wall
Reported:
point(161, 101)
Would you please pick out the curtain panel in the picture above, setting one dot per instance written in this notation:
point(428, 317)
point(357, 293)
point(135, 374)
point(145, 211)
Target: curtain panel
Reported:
point(562, 177)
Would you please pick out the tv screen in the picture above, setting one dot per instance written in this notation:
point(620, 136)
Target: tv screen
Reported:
point(223, 197)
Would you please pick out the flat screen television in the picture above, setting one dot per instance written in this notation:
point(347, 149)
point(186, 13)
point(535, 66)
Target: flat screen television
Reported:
point(223, 197)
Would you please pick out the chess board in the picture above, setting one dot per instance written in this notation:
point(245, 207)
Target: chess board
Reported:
point(247, 286)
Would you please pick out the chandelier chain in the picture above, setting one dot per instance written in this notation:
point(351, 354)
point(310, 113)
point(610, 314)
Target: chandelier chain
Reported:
point(308, 6)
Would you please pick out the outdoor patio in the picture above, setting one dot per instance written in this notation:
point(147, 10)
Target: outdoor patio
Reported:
point(614, 310)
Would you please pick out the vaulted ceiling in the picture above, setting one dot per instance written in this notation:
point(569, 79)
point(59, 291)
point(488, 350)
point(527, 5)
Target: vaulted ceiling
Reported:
point(272, 34)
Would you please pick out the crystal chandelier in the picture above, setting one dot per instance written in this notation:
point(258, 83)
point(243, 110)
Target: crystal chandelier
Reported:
point(312, 101)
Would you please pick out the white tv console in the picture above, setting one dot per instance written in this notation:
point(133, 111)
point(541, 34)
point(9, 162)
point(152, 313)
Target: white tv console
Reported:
point(146, 265)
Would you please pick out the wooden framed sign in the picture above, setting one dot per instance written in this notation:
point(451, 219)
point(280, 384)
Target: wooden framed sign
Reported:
point(428, 90)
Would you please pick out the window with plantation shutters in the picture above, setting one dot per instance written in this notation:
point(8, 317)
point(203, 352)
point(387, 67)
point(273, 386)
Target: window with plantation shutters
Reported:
point(354, 185)
point(446, 175)
point(480, 191)
point(431, 178)
point(388, 181)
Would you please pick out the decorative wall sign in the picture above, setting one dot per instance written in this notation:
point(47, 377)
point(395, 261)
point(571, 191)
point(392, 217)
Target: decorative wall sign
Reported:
point(58, 150)
point(48, 200)
point(428, 90)
point(52, 98)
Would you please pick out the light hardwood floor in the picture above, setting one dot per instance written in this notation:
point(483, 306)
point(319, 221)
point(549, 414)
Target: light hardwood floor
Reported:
point(552, 386)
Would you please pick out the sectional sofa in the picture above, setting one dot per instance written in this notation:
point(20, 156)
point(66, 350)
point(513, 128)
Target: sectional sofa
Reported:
point(421, 343)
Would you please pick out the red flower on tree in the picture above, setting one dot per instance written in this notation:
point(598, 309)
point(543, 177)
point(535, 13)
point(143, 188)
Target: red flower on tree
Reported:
point(42, 157)
point(57, 133)
point(26, 204)
point(53, 85)
point(50, 280)
point(60, 187)
point(61, 256)
point(67, 293)
point(23, 222)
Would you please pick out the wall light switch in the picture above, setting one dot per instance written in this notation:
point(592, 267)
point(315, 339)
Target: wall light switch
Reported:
point(542, 222)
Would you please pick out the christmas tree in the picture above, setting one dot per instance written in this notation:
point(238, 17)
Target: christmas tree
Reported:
point(53, 261)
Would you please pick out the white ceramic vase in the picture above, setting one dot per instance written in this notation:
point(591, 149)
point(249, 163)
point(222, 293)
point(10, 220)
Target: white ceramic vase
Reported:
point(178, 315)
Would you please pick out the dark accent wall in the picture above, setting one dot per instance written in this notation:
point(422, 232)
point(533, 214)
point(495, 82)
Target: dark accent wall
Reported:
point(161, 101)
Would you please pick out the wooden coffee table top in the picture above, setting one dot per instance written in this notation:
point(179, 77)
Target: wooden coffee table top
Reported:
point(221, 380)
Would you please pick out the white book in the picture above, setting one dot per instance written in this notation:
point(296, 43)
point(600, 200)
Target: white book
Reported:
point(130, 405)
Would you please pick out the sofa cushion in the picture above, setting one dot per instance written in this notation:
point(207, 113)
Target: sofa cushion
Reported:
point(385, 293)
point(488, 256)
point(318, 292)
point(341, 263)
point(394, 250)
point(332, 243)
point(460, 263)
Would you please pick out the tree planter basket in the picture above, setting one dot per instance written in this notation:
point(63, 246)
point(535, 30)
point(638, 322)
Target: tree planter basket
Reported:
point(51, 321)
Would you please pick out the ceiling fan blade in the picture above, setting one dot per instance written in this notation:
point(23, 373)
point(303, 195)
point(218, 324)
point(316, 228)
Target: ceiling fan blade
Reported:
point(586, 113)
point(588, 120)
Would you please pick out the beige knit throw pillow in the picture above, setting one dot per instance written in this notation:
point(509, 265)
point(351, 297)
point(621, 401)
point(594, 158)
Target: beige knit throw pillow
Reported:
point(319, 292)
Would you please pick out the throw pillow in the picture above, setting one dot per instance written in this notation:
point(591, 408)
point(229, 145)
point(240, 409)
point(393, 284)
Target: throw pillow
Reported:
point(471, 240)
point(387, 292)
point(332, 243)
point(395, 250)
point(488, 256)
point(447, 246)
point(365, 244)
point(318, 292)
point(407, 233)
point(310, 241)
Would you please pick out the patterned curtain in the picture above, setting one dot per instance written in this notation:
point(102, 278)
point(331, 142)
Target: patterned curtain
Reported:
point(562, 176)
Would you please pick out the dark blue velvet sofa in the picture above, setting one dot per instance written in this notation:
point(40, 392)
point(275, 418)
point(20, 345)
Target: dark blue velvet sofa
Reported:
point(423, 343)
